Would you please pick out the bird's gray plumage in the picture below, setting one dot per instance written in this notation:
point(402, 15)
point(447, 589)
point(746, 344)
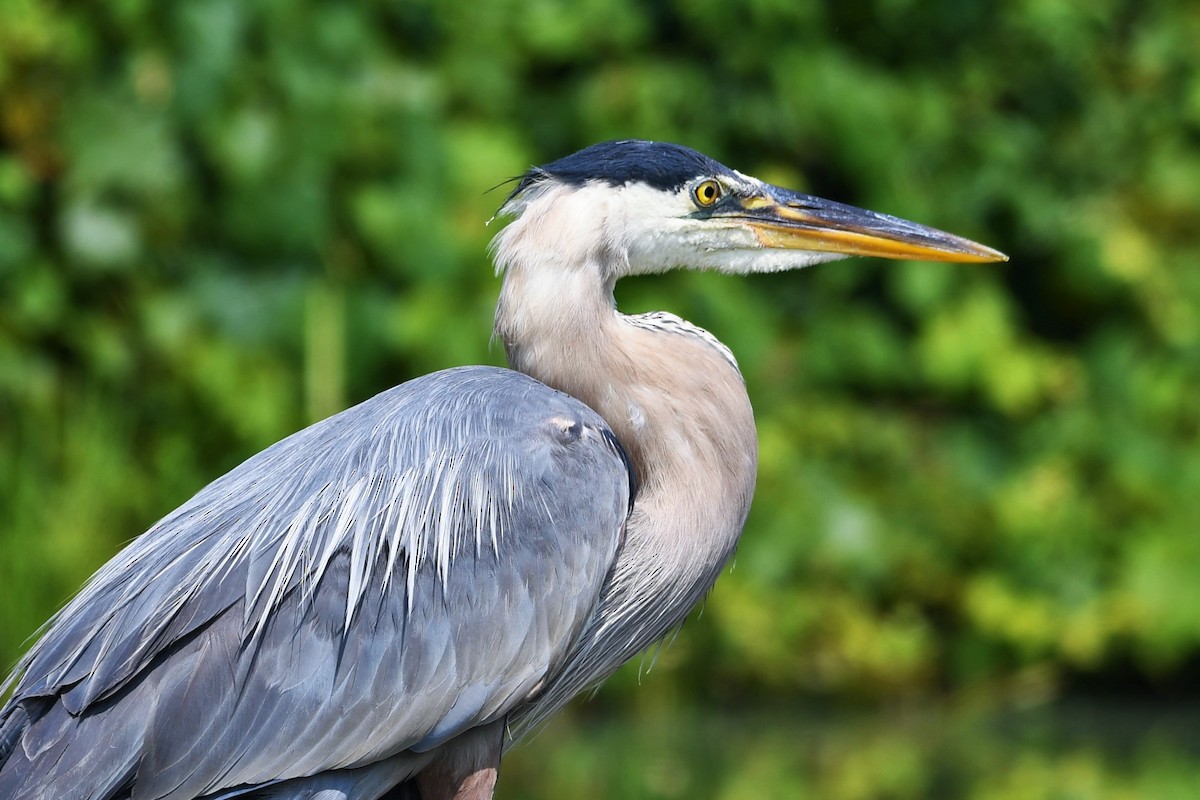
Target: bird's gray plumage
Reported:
point(371, 585)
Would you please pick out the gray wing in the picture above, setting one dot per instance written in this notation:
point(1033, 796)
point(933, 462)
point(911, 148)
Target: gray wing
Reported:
point(377, 583)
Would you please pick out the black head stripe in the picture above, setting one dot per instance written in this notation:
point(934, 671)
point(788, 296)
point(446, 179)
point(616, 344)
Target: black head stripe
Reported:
point(661, 165)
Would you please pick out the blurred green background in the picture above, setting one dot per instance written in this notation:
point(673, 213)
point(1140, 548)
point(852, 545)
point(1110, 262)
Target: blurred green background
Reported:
point(977, 530)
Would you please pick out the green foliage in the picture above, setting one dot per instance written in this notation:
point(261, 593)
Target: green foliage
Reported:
point(222, 220)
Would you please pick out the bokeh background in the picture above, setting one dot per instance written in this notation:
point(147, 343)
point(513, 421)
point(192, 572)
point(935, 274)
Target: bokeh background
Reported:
point(973, 564)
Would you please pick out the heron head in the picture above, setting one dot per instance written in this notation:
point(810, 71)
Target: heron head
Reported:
point(635, 207)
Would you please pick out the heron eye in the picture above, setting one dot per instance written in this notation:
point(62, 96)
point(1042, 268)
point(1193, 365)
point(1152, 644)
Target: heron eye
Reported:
point(706, 193)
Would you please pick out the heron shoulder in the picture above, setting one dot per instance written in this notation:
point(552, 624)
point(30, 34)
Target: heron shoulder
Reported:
point(447, 464)
point(285, 589)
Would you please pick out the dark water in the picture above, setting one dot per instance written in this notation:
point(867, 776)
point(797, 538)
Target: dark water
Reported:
point(1066, 752)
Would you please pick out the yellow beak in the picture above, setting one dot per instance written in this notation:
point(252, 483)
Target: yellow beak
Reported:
point(793, 221)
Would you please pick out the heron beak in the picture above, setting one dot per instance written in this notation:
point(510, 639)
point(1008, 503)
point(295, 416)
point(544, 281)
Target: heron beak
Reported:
point(789, 220)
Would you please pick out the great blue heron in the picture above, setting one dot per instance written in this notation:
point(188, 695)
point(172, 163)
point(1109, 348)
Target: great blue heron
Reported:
point(380, 603)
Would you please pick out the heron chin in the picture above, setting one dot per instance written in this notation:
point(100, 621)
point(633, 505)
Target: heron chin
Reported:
point(380, 604)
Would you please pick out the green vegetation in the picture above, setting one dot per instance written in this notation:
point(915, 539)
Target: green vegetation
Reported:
point(221, 220)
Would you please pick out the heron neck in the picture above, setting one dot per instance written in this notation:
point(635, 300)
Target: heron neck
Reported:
point(680, 409)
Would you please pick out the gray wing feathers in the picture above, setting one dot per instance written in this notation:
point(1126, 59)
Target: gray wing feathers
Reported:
point(374, 584)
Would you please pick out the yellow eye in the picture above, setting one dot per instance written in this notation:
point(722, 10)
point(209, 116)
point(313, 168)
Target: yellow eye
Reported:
point(706, 193)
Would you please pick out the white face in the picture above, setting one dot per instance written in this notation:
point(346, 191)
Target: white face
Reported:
point(636, 229)
point(664, 230)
